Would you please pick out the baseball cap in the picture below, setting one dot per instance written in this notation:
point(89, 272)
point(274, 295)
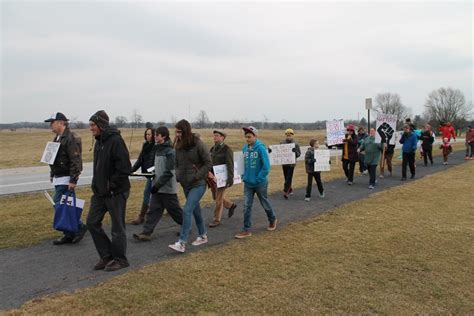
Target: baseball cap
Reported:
point(219, 132)
point(250, 129)
point(56, 117)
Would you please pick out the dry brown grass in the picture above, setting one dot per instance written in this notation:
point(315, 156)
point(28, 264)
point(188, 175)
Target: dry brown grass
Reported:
point(407, 250)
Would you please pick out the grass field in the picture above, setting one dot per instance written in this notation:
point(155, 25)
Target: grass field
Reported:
point(412, 255)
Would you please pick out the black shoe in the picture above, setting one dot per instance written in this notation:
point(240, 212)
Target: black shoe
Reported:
point(412, 176)
point(63, 240)
point(115, 265)
point(102, 264)
point(78, 237)
point(231, 210)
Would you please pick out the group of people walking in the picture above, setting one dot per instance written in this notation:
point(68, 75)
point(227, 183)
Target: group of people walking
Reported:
point(187, 161)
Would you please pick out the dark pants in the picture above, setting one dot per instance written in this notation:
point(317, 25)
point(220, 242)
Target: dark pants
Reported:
point(372, 174)
point(469, 149)
point(428, 153)
point(349, 167)
point(159, 202)
point(115, 205)
point(362, 166)
point(288, 174)
point(317, 176)
point(59, 190)
point(408, 159)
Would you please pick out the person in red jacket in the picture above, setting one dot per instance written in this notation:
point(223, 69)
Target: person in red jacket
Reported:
point(469, 143)
point(446, 149)
point(447, 131)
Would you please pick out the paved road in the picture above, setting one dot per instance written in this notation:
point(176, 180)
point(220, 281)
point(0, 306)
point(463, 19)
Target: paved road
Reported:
point(45, 269)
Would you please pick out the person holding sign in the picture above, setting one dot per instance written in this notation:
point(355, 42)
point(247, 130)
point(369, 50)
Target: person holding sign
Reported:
point(145, 160)
point(288, 170)
point(309, 164)
point(110, 188)
point(221, 154)
point(361, 136)
point(66, 168)
point(349, 153)
point(255, 178)
point(409, 141)
point(372, 155)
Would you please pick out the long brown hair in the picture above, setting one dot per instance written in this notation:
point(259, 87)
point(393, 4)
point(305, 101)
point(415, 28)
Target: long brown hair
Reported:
point(187, 137)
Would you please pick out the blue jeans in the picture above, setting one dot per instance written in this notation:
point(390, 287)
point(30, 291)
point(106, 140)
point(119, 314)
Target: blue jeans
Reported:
point(59, 190)
point(261, 192)
point(192, 207)
point(147, 191)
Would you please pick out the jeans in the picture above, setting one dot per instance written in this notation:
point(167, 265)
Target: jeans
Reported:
point(59, 190)
point(160, 202)
point(408, 159)
point(261, 191)
point(317, 176)
point(147, 191)
point(115, 205)
point(192, 208)
point(348, 167)
point(288, 175)
point(372, 174)
point(362, 166)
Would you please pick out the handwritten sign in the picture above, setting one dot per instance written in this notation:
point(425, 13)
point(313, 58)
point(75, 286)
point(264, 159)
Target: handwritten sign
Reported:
point(50, 152)
point(322, 158)
point(220, 172)
point(385, 127)
point(70, 201)
point(335, 132)
point(282, 154)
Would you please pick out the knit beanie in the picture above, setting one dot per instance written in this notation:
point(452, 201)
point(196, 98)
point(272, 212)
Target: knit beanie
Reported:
point(101, 119)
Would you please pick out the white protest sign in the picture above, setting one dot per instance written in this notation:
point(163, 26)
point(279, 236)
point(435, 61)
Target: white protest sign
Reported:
point(50, 152)
point(70, 201)
point(386, 126)
point(322, 158)
point(220, 172)
point(396, 138)
point(282, 154)
point(239, 164)
point(335, 132)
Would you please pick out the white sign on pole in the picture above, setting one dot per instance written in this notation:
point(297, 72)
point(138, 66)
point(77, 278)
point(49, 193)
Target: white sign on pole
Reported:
point(335, 132)
point(50, 152)
point(220, 172)
point(322, 158)
point(282, 154)
point(385, 128)
point(368, 104)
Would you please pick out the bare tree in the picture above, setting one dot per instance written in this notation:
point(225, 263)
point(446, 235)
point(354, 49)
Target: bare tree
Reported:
point(120, 121)
point(202, 120)
point(137, 119)
point(447, 105)
point(391, 103)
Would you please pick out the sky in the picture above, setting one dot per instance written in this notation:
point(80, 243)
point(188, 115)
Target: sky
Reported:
point(247, 61)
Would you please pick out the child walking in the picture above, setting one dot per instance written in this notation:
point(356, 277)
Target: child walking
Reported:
point(309, 163)
point(447, 149)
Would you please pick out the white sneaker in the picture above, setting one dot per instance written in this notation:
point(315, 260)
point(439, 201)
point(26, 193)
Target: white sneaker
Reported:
point(178, 246)
point(371, 187)
point(322, 195)
point(307, 199)
point(200, 240)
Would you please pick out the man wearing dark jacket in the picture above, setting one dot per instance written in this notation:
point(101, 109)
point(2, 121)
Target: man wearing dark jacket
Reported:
point(221, 154)
point(349, 153)
point(164, 186)
point(110, 187)
point(288, 170)
point(66, 168)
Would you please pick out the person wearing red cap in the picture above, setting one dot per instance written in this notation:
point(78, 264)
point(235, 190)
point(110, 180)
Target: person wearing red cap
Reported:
point(349, 153)
point(66, 168)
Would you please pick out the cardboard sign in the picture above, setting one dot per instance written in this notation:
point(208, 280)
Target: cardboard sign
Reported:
point(282, 154)
point(220, 172)
point(50, 152)
point(335, 132)
point(322, 157)
point(385, 128)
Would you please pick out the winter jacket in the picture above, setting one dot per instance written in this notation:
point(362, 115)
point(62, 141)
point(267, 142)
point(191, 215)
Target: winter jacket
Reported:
point(309, 160)
point(165, 173)
point(296, 150)
point(257, 165)
point(221, 154)
point(470, 135)
point(349, 149)
point(409, 141)
point(111, 164)
point(447, 131)
point(146, 159)
point(427, 140)
point(68, 160)
point(193, 164)
point(360, 138)
point(372, 151)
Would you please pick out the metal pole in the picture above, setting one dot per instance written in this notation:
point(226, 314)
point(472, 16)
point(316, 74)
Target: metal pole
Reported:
point(368, 121)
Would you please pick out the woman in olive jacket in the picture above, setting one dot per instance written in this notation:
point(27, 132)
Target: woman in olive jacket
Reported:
point(372, 156)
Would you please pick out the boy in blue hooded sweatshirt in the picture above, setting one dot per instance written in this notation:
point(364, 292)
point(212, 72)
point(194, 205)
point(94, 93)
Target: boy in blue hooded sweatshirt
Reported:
point(255, 178)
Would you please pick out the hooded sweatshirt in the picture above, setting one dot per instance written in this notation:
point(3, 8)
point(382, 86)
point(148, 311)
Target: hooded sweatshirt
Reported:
point(257, 165)
point(165, 174)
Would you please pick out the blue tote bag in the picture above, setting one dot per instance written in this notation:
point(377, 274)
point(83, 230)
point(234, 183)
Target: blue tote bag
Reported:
point(66, 214)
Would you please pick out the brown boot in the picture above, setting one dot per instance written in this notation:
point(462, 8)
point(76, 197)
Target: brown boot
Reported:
point(141, 217)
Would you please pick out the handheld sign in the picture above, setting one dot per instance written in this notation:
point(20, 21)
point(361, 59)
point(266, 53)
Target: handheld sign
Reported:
point(322, 158)
point(335, 132)
point(386, 126)
point(220, 172)
point(50, 152)
point(282, 154)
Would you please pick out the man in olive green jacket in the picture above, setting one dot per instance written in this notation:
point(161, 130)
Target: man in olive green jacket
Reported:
point(372, 156)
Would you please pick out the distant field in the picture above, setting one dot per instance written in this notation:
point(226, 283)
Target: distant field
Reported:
point(24, 147)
